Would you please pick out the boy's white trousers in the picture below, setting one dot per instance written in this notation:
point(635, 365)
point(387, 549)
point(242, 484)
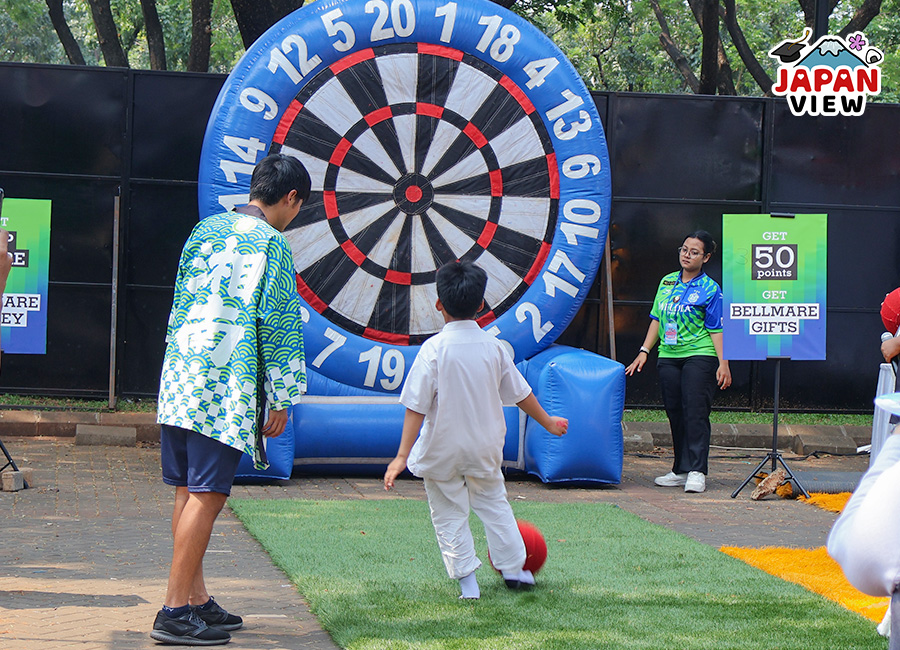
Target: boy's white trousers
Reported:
point(450, 501)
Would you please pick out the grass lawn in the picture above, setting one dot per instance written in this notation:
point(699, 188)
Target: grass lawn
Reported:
point(743, 417)
point(372, 574)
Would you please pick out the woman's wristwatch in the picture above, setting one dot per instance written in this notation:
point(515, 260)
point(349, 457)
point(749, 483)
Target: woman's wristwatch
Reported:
point(645, 350)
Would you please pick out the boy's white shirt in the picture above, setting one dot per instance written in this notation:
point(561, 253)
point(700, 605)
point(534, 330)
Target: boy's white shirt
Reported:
point(460, 380)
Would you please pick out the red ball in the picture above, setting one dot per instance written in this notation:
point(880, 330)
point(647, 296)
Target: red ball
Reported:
point(535, 546)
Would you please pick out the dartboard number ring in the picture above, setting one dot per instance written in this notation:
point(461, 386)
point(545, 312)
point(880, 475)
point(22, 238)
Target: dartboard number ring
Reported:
point(432, 132)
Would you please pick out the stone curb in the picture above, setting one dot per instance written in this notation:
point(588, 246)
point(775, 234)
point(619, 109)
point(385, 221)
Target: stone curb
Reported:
point(637, 436)
point(799, 439)
point(64, 424)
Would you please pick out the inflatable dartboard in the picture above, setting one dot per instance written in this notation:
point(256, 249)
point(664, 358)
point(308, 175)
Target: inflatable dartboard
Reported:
point(433, 130)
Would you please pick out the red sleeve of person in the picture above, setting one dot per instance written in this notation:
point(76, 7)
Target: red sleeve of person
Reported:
point(890, 312)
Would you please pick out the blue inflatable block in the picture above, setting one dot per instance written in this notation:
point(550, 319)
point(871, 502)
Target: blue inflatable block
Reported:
point(341, 429)
point(280, 452)
point(344, 436)
point(589, 390)
point(513, 458)
point(319, 384)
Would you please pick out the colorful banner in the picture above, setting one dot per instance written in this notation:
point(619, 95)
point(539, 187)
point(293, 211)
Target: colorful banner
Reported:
point(774, 282)
point(24, 314)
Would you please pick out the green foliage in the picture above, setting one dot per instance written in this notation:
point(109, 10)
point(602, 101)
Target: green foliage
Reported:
point(371, 573)
point(884, 33)
point(26, 34)
point(614, 44)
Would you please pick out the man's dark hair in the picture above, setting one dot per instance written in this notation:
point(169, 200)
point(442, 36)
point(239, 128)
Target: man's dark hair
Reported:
point(460, 288)
point(276, 175)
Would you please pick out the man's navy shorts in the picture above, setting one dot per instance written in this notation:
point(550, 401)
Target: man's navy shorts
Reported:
point(196, 461)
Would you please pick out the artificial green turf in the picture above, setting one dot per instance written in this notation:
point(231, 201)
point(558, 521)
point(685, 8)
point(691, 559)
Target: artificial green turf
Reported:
point(371, 572)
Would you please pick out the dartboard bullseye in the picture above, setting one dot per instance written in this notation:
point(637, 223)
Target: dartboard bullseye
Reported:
point(433, 131)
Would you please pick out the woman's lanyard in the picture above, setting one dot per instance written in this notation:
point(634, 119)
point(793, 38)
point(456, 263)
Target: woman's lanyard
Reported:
point(670, 330)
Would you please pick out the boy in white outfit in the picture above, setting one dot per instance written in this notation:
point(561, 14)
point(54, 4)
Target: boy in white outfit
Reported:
point(454, 393)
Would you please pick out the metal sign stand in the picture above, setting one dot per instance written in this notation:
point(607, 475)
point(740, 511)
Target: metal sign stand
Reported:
point(774, 456)
point(9, 461)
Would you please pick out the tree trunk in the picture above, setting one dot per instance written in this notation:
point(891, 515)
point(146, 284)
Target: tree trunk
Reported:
point(809, 11)
point(156, 44)
point(107, 34)
point(725, 77)
point(743, 49)
point(254, 17)
point(201, 36)
point(672, 50)
point(861, 19)
point(70, 45)
point(709, 57)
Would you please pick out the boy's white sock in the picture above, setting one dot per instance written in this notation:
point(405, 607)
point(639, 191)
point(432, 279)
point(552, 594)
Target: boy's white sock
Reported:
point(468, 585)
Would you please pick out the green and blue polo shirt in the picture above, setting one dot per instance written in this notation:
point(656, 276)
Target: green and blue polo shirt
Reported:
point(687, 312)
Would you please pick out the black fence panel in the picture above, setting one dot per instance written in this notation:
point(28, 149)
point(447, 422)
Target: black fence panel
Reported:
point(848, 161)
point(678, 147)
point(83, 136)
point(170, 115)
point(62, 120)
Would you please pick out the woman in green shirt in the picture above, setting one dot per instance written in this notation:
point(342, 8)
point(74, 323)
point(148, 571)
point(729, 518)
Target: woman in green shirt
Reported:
point(686, 319)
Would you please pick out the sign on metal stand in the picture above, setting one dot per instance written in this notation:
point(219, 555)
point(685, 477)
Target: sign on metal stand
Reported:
point(774, 287)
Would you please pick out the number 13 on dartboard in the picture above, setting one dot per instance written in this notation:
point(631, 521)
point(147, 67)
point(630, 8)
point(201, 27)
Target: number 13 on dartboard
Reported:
point(774, 286)
point(433, 131)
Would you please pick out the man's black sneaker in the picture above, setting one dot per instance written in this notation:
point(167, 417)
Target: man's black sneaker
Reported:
point(215, 616)
point(186, 629)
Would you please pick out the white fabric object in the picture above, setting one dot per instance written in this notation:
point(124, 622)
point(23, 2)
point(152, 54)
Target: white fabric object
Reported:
point(449, 502)
point(881, 420)
point(460, 381)
point(865, 540)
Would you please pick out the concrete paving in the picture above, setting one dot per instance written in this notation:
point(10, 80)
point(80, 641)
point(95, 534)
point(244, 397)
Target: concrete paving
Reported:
point(84, 551)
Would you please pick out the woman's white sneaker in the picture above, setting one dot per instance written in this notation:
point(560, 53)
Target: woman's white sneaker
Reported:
point(696, 482)
point(671, 480)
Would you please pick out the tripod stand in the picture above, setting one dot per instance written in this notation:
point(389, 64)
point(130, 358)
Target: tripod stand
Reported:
point(774, 456)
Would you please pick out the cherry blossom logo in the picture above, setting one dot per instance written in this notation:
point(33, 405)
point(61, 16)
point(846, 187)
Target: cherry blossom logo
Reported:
point(832, 76)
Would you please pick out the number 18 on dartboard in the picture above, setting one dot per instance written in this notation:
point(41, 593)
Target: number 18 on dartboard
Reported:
point(774, 286)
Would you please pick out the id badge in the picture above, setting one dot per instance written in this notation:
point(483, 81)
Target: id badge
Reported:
point(670, 336)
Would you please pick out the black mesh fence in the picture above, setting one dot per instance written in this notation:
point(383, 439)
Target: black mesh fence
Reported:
point(92, 138)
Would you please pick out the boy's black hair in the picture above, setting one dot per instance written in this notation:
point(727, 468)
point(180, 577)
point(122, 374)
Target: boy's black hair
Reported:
point(460, 288)
point(276, 175)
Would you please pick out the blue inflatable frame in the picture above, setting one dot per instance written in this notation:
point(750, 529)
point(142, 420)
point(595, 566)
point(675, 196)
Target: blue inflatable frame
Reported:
point(341, 426)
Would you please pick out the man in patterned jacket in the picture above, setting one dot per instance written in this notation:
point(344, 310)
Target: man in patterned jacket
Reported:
point(235, 320)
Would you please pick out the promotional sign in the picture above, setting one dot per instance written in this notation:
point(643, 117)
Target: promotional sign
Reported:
point(24, 315)
point(774, 281)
